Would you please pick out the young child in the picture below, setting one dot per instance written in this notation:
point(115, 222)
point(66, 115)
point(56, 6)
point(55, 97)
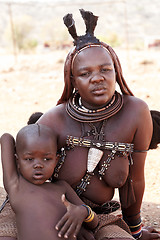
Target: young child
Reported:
point(37, 203)
point(32, 119)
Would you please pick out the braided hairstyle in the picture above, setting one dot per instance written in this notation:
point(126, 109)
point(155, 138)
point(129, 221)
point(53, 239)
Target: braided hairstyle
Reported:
point(79, 43)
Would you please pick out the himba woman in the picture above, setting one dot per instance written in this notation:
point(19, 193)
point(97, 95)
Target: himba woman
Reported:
point(102, 136)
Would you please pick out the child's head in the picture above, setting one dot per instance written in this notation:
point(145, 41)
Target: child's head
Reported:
point(34, 117)
point(36, 153)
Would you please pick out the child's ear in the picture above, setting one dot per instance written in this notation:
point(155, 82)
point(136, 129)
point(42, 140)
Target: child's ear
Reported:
point(16, 156)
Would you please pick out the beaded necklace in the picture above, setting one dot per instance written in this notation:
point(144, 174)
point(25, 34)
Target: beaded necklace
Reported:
point(95, 110)
point(77, 111)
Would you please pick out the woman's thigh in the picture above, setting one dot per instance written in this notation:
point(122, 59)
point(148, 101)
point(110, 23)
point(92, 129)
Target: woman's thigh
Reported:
point(8, 229)
point(7, 238)
point(114, 239)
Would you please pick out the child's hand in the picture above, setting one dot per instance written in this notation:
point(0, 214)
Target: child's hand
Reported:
point(71, 222)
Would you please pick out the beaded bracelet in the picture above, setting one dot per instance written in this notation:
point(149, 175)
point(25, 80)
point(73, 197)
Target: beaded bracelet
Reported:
point(140, 235)
point(136, 228)
point(136, 233)
point(90, 216)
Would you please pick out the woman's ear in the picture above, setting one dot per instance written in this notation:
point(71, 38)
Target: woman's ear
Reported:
point(73, 82)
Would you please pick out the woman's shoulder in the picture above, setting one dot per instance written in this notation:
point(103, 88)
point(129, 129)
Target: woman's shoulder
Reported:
point(54, 117)
point(56, 111)
point(135, 103)
point(137, 110)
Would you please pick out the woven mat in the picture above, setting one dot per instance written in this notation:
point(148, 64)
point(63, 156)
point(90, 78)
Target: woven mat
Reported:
point(2, 195)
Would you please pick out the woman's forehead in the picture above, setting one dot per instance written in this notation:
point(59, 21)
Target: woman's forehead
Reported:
point(93, 49)
point(93, 55)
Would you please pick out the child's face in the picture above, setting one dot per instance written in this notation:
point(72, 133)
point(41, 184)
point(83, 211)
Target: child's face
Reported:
point(37, 159)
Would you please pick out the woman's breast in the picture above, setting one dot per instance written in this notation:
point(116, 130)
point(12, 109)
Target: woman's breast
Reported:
point(98, 191)
point(117, 172)
point(75, 165)
point(102, 189)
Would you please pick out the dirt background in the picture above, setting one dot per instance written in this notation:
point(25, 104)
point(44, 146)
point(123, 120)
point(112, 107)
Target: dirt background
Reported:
point(32, 83)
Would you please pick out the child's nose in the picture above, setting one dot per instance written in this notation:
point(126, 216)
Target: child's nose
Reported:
point(38, 164)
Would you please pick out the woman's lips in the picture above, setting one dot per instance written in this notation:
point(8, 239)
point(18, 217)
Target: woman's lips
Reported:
point(99, 91)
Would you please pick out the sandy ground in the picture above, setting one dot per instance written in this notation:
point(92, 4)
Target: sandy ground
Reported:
point(34, 83)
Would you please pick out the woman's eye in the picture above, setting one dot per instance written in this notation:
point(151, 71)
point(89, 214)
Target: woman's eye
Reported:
point(84, 74)
point(105, 69)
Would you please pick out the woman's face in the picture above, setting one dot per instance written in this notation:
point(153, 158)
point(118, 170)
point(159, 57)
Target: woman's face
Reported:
point(94, 76)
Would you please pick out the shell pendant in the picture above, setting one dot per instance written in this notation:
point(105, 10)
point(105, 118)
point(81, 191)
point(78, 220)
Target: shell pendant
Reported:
point(94, 156)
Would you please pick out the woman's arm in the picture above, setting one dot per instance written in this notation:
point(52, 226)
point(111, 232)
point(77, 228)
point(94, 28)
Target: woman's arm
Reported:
point(141, 142)
point(10, 175)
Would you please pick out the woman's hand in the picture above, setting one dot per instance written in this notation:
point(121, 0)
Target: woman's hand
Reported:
point(149, 233)
point(71, 222)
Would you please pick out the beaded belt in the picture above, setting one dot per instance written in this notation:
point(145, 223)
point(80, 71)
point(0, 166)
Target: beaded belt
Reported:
point(83, 142)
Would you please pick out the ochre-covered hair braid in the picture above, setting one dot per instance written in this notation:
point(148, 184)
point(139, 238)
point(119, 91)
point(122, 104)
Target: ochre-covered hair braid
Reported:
point(80, 42)
point(68, 86)
point(118, 69)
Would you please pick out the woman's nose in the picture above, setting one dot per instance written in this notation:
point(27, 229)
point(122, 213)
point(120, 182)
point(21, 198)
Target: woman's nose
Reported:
point(97, 77)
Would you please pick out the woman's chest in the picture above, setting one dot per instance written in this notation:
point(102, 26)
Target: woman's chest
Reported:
point(104, 168)
point(110, 137)
point(115, 129)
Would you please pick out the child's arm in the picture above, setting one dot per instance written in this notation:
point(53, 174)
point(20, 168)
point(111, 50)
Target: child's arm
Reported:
point(10, 175)
point(77, 213)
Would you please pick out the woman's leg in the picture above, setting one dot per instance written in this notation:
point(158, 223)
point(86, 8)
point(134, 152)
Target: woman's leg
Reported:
point(7, 223)
point(7, 238)
point(114, 239)
point(113, 232)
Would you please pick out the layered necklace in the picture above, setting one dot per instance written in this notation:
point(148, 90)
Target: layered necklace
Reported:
point(77, 111)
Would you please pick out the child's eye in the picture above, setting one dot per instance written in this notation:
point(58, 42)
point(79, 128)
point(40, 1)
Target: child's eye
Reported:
point(28, 159)
point(47, 159)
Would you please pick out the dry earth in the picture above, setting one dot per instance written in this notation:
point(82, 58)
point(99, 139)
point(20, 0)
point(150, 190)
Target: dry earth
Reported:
point(34, 83)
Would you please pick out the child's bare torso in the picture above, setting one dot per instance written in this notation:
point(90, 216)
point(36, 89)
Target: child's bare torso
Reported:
point(38, 209)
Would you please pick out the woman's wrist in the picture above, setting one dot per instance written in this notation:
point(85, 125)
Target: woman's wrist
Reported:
point(135, 225)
